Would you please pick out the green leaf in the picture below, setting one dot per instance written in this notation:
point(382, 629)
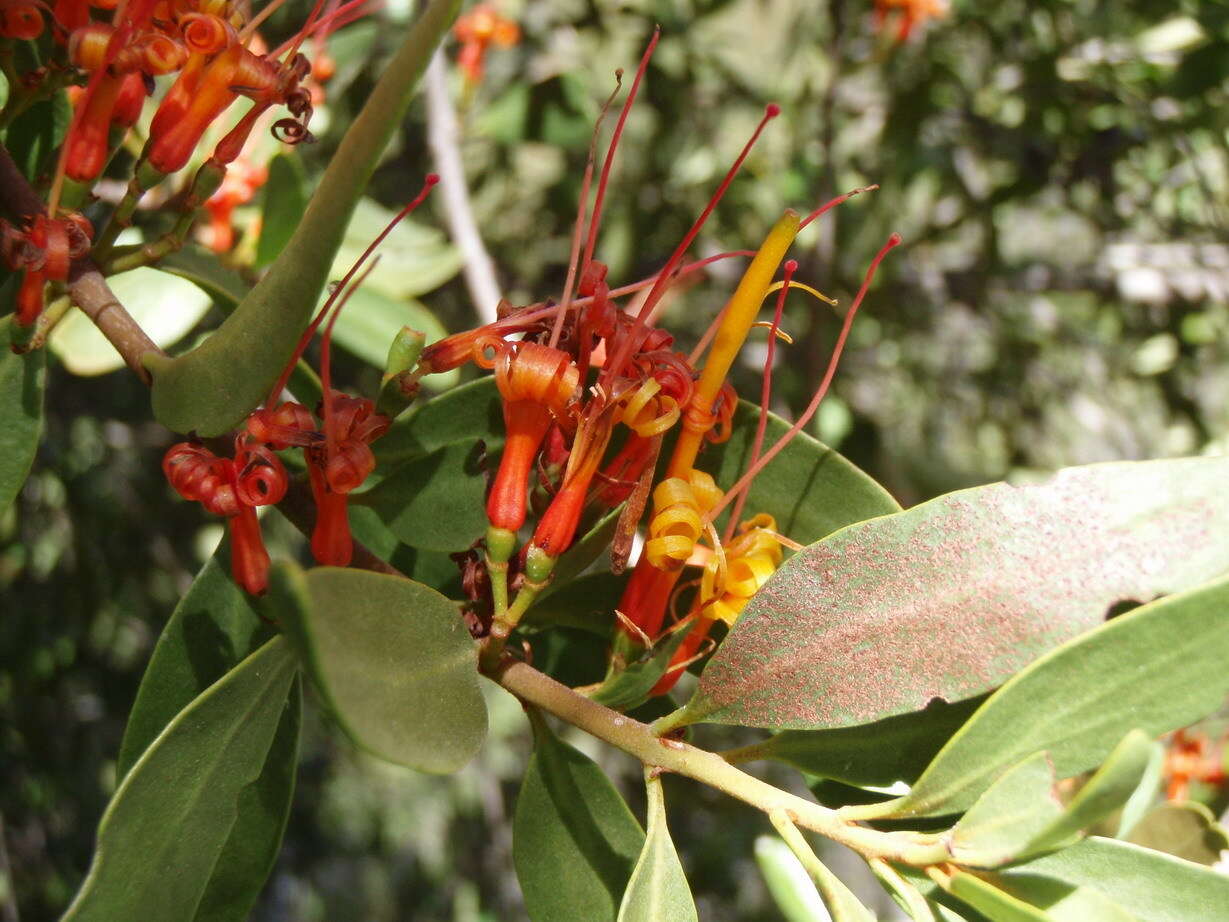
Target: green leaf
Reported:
point(1157, 668)
point(1149, 885)
point(214, 627)
point(214, 386)
point(471, 411)
point(250, 851)
point(574, 842)
point(169, 821)
point(995, 903)
point(285, 199)
point(370, 321)
point(166, 307)
point(658, 887)
point(587, 603)
point(22, 381)
point(202, 268)
point(34, 135)
point(1185, 830)
point(1063, 902)
point(875, 754)
point(392, 660)
point(1020, 816)
point(436, 501)
point(630, 687)
point(788, 882)
point(1017, 808)
point(952, 597)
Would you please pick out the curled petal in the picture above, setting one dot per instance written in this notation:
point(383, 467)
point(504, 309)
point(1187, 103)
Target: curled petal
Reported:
point(261, 478)
point(204, 33)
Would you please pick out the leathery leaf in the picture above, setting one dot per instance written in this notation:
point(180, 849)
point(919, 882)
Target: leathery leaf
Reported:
point(951, 598)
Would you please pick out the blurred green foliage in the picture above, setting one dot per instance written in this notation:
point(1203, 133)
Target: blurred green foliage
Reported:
point(1059, 170)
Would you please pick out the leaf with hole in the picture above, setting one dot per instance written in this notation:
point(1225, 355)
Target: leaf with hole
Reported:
point(574, 842)
point(392, 660)
point(949, 599)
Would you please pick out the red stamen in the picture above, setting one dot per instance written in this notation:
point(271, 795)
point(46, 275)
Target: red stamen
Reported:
point(580, 213)
point(664, 276)
point(430, 181)
point(790, 267)
point(596, 220)
point(836, 201)
point(745, 481)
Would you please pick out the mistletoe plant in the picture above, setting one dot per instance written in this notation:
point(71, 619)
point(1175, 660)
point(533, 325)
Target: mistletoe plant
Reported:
point(969, 653)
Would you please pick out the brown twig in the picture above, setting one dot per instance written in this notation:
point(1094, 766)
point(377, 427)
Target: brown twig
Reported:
point(86, 285)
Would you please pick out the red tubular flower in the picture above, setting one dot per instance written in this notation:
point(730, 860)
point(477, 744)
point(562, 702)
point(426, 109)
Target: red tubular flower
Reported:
point(232, 488)
point(174, 137)
point(536, 384)
point(558, 524)
point(130, 101)
point(87, 143)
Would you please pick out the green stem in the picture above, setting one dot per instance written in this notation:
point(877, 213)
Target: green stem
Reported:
point(915, 903)
point(640, 740)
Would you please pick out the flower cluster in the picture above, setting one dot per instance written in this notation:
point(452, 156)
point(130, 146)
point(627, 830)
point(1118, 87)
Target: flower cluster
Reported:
point(589, 390)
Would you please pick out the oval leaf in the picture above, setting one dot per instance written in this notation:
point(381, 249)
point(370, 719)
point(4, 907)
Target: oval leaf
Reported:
point(471, 411)
point(168, 822)
point(391, 659)
point(213, 628)
point(214, 386)
point(658, 887)
point(22, 381)
point(952, 597)
point(1157, 668)
point(1012, 812)
point(574, 842)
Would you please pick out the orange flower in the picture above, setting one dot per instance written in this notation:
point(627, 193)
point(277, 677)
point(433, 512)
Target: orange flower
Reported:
point(477, 31)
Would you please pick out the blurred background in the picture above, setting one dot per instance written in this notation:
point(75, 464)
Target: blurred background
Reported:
point(1057, 168)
